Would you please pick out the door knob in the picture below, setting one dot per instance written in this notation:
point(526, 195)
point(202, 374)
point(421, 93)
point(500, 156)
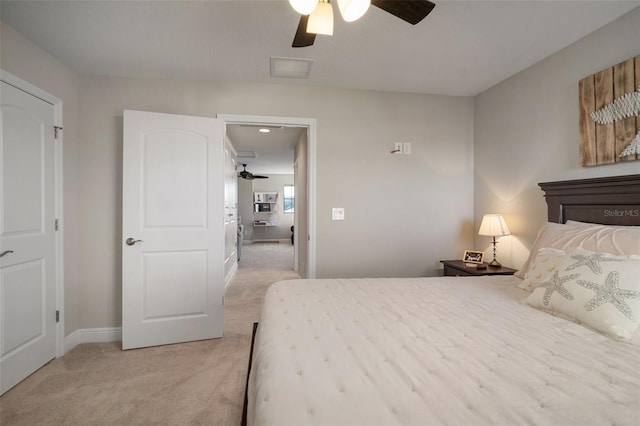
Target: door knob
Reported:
point(131, 241)
point(4, 253)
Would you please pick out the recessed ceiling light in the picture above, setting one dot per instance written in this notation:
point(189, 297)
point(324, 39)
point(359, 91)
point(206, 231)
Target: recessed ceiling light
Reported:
point(290, 67)
point(264, 130)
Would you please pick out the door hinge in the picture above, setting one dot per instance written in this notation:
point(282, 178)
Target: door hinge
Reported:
point(57, 224)
point(55, 131)
point(57, 316)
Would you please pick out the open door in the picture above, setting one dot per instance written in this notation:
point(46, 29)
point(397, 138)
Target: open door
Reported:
point(173, 229)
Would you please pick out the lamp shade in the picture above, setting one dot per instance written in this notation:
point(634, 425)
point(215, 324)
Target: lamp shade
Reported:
point(303, 7)
point(493, 225)
point(321, 20)
point(352, 10)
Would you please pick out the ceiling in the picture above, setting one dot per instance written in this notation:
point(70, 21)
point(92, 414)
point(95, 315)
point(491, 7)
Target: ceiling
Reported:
point(273, 151)
point(462, 48)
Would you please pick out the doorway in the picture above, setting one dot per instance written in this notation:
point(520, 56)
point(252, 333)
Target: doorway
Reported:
point(304, 181)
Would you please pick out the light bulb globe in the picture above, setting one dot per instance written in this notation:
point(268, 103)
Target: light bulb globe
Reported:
point(303, 7)
point(321, 20)
point(352, 10)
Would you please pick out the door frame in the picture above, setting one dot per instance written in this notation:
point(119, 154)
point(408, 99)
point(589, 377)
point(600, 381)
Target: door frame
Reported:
point(310, 124)
point(58, 196)
point(296, 218)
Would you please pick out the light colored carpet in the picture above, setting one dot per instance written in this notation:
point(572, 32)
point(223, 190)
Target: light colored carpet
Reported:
point(197, 383)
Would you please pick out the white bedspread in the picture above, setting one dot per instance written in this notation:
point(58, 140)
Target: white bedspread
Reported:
point(432, 351)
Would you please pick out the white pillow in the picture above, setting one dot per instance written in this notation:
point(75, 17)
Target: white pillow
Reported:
point(600, 290)
point(545, 262)
point(619, 240)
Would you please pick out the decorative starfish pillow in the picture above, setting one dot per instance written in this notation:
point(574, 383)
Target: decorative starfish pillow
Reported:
point(620, 240)
point(542, 267)
point(599, 290)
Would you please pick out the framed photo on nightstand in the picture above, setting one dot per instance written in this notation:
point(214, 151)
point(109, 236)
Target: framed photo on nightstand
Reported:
point(472, 256)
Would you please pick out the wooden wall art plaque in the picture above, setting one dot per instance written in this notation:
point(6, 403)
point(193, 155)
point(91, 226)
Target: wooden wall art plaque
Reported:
point(609, 103)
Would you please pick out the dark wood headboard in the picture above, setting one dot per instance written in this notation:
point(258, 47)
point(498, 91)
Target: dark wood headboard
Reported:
point(610, 200)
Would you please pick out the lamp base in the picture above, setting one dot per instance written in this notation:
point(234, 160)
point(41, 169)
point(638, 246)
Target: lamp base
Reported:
point(495, 264)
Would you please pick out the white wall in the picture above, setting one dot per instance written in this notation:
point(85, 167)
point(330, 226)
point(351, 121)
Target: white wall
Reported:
point(526, 131)
point(245, 206)
point(25, 60)
point(276, 183)
point(403, 213)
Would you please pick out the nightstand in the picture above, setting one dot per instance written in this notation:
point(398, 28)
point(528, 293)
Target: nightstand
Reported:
point(457, 268)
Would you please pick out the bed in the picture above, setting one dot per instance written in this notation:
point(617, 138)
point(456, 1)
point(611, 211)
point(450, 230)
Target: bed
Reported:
point(468, 350)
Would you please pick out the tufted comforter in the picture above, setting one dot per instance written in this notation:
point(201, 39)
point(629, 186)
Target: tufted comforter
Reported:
point(432, 351)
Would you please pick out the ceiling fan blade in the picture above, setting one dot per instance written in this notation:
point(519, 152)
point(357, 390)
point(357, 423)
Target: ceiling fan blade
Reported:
point(411, 11)
point(244, 174)
point(302, 37)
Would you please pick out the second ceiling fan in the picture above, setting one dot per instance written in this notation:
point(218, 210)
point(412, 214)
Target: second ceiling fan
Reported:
point(317, 15)
point(244, 174)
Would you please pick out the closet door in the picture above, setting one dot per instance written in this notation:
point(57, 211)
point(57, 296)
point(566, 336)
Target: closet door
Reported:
point(27, 239)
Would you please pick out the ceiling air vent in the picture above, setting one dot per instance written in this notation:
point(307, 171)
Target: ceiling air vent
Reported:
point(290, 67)
point(246, 154)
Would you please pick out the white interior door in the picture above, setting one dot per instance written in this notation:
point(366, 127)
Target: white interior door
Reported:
point(173, 229)
point(27, 239)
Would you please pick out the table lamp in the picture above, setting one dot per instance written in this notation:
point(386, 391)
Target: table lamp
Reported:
point(493, 225)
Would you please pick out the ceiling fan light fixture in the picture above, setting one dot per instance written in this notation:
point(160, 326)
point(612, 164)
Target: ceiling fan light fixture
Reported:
point(321, 20)
point(303, 7)
point(352, 10)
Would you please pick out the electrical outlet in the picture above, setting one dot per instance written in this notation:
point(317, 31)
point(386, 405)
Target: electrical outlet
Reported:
point(398, 148)
point(406, 148)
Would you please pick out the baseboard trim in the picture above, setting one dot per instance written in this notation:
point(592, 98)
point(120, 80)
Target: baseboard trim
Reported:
point(92, 335)
point(70, 342)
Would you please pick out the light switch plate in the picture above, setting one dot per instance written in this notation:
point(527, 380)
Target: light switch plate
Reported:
point(406, 148)
point(337, 213)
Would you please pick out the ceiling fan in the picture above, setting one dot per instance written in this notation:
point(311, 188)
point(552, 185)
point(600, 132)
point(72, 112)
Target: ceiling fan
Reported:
point(244, 174)
point(317, 15)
